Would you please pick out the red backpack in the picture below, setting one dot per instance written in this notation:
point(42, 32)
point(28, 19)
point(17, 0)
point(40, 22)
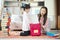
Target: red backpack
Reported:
point(35, 29)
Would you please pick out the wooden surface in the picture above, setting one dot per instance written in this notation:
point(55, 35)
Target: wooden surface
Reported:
point(17, 36)
point(58, 22)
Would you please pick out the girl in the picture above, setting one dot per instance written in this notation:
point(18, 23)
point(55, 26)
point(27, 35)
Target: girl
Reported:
point(44, 20)
point(25, 25)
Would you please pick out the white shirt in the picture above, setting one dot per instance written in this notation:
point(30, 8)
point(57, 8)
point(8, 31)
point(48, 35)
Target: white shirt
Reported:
point(26, 22)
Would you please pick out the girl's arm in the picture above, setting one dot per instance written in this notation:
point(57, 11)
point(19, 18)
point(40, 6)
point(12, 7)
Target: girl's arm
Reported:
point(46, 27)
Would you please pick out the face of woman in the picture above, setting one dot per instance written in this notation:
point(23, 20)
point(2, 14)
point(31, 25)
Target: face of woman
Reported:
point(43, 11)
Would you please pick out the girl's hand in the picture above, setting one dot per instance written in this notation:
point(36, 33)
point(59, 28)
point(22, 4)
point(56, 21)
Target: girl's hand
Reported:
point(42, 26)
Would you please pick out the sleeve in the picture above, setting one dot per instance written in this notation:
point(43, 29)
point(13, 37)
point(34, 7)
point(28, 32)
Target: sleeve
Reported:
point(24, 20)
point(47, 25)
point(25, 25)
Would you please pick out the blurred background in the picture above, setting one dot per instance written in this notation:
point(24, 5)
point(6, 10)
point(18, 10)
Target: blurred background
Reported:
point(16, 6)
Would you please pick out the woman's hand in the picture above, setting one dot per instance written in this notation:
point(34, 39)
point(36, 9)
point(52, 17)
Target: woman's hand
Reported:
point(42, 26)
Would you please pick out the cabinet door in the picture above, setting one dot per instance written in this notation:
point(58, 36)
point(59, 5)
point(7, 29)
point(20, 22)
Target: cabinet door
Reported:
point(58, 22)
point(58, 13)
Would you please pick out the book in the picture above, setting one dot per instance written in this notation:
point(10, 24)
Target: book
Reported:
point(52, 34)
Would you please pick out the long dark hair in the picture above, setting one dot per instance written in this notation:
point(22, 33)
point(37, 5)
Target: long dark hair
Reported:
point(45, 15)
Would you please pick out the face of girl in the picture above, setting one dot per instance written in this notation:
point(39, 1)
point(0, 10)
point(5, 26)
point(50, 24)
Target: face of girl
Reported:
point(43, 11)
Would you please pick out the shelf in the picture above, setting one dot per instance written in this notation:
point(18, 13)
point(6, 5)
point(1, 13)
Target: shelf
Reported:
point(38, 0)
point(11, 0)
point(31, 1)
point(36, 6)
point(11, 4)
point(19, 2)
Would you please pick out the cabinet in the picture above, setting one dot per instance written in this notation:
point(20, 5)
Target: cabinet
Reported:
point(58, 13)
point(58, 22)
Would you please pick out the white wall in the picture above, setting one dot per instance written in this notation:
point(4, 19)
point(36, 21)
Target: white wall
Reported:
point(1, 4)
point(50, 4)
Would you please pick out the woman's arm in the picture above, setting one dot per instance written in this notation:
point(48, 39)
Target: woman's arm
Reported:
point(46, 27)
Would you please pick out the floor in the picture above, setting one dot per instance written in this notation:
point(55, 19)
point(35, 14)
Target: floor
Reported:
point(2, 35)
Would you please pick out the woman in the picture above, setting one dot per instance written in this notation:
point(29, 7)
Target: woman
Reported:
point(43, 19)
